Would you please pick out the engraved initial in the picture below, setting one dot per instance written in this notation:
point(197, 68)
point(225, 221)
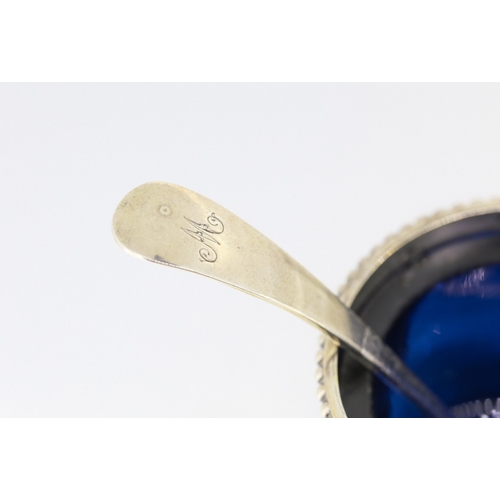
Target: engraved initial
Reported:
point(204, 234)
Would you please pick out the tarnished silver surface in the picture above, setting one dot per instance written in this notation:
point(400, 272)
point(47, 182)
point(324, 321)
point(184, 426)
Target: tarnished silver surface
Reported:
point(437, 228)
point(171, 225)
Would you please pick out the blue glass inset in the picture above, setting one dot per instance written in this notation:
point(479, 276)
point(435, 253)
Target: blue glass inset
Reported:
point(450, 338)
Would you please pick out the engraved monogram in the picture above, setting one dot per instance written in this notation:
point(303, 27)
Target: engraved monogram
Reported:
point(204, 233)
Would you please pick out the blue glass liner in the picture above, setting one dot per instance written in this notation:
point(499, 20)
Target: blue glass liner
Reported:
point(450, 338)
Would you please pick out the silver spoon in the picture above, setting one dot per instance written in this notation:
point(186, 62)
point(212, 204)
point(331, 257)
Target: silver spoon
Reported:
point(174, 226)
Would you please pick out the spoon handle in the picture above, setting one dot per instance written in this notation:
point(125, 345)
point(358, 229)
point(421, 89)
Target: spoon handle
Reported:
point(174, 226)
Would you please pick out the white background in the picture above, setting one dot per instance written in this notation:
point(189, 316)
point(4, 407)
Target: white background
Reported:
point(325, 170)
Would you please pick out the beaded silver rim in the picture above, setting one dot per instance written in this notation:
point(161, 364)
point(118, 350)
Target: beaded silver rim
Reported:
point(478, 409)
